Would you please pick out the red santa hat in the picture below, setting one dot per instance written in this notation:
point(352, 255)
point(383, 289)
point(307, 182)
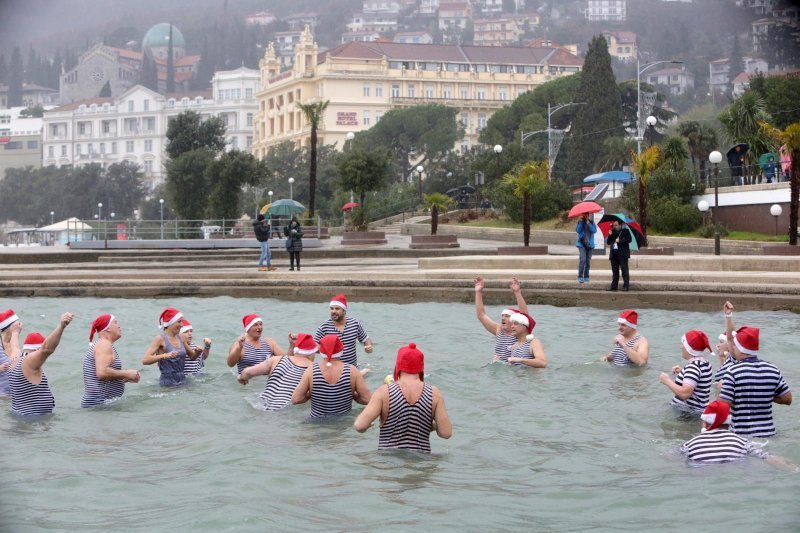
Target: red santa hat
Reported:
point(526, 320)
point(168, 317)
point(746, 340)
point(7, 318)
point(339, 301)
point(331, 347)
point(695, 342)
point(33, 342)
point(305, 345)
point(186, 326)
point(101, 323)
point(410, 360)
point(508, 311)
point(629, 317)
point(251, 320)
point(716, 414)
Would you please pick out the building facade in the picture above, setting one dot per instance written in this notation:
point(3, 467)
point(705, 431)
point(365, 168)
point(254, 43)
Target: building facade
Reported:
point(496, 32)
point(675, 80)
point(363, 81)
point(413, 37)
point(607, 10)
point(621, 45)
point(20, 141)
point(720, 77)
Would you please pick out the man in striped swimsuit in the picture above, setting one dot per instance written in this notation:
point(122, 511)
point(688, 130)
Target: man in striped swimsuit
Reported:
point(751, 385)
point(630, 347)
point(409, 408)
point(348, 329)
point(504, 338)
point(717, 444)
point(692, 385)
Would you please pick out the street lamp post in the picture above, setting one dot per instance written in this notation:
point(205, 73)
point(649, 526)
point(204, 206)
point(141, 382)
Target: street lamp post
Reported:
point(161, 201)
point(349, 140)
point(549, 130)
point(135, 219)
point(498, 150)
point(99, 210)
point(52, 214)
point(775, 210)
point(270, 193)
point(651, 127)
point(420, 169)
point(715, 158)
point(291, 192)
point(639, 72)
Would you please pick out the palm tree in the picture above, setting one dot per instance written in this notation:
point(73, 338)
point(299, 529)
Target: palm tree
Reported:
point(644, 164)
point(675, 153)
point(791, 138)
point(435, 202)
point(617, 153)
point(741, 120)
point(701, 141)
point(527, 180)
point(313, 113)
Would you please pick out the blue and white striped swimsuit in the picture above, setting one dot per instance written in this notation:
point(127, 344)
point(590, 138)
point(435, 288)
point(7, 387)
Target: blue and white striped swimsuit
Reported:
point(407, 426)
point(502, 342)
point(523, 351)
point(5, 388)
point(619, 355)
point(172, 367)
point(194, 366)
point(331, 400)
point(698, 372)
point(253, 356)
point(28, 399)
point(353, 331)
point(283, 379)
point(95, 391)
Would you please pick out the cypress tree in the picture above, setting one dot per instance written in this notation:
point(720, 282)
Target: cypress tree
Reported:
point(601, 115)
point(170, 65)
point(15, 74)
point(3, 69)
point(105, 92)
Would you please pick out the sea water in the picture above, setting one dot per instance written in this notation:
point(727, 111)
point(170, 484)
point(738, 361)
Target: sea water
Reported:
point(580, 445)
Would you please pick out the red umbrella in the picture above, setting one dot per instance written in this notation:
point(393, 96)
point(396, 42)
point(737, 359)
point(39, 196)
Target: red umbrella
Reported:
point(350, 205)
point(584, 207)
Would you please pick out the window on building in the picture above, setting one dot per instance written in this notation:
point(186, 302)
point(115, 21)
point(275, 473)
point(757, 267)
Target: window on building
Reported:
point(90, 148)
point(365, 90)
point(249, 119)
point(150, 123)
point(464, 148)
point(51, 151)
point(102, 148)
point(248, 93)
point(428, 91)
point(77, 150)
point(83, 128)
point(481, 121)
point(378, 116)
point(235, 142)
point(502, 93)
point(249, 141)
point(366, 118)
point(129, 147)
point(447, 91)
point(106, 126)
point(378, 89)
point(148, 166)
point(33, 145)
point(395, 91)
point(464, 92)
point(14, 145)
point(113, 148)
point(480, 93)
point(146, 105)
point(464, 120)
point(148, 145)
point(412, 90)
point(130, 106)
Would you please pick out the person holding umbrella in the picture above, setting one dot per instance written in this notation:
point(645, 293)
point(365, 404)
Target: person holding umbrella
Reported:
point(585, 229)
point(619, 239)
point(294, 242)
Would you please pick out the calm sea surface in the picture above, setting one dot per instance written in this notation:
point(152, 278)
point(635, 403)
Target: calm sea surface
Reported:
point(578, 446)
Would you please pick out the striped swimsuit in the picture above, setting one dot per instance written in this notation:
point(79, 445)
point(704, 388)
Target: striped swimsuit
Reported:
point(719, 375)
point(95, 391)
point(253, 356)
point(283, 379)
point(172, 368)
point(4, 385)
point(720, 446)
point(407, 426)
point(750, 386)
point(696, 372)
point(619, 355)
point(330, 400)
point(194, 366)
point(523, 351)
point(502, 342)
point(28, 399)
point(353, 331)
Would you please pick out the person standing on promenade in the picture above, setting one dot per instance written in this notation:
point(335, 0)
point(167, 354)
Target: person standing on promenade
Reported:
point(526, 350)
point(585, 229)
point(331, 387)
point(348, 329)
point(294, 242)
point(630, 347)
point(250, 348)
point(169, 349)
point(194, 365)
point(30, 389)
point(262, 230)
point(502, 331)
point(409, 408)
point(619, 240)
point(285, 371)
point(10, 351)
point(692, 385)
point(751, 385)
point(103, 377)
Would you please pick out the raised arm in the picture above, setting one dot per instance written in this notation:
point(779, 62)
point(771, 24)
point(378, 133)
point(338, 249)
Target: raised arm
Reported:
point(441, 421)
point(361, 392)
point(14, 348)
point(35, 360)
point(302, 393)
point(236, 350)
point(727, 310)
point(516, 288)
point(373, 410)
point(480, 311)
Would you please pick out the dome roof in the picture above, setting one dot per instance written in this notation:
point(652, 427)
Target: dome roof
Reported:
point(158, 35)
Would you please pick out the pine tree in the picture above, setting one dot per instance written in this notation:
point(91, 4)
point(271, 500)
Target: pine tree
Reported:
point(170, 65)
point(15, 75)
point(148, 75)
point(105, 92)
point(3, 69)
point(735, 61)
point(600, 117)
point(31, 66)
point(54, 75)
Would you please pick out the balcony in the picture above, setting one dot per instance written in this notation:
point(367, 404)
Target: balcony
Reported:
point(459, 103)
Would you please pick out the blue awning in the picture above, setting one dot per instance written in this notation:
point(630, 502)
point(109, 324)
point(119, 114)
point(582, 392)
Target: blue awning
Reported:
point(613, 175)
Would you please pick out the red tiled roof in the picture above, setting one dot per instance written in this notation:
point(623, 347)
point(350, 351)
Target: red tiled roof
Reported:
point(129, 54)
point(179, 76)
point(87, 103)
point(185, 61)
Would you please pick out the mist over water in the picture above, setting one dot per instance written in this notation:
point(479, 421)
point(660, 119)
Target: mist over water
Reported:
point(576, 446)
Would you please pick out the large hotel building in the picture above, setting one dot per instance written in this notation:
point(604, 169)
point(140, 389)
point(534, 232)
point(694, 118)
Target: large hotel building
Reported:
point(363, 80)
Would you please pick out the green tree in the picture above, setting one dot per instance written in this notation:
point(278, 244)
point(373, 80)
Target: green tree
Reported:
point(124, 187)
point(362, 171)
point(735, 60)
point(644, 164)
point(630, 100)
point(313, 113)
point(188, 132)
point(187, 185)
point(3, 69)
point(701, 140)
point(15, 76)
point(616, 153)
point(675, 153)
point(780, 45)
point(791, 138)
point(741, 121)
point(527, 181)
point(780, 96)
point(436, 202)
point(148, 75)
point(600, 118)
point(170, 87)
point(105, 92)
point(226, 177)
point(36, 111)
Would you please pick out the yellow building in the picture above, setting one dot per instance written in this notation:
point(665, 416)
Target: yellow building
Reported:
point(363, 80)
point(621, 44)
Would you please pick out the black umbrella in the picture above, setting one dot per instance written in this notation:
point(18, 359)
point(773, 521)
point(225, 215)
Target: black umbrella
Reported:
point(467, 189)
point(743, 148)
point(453, 192)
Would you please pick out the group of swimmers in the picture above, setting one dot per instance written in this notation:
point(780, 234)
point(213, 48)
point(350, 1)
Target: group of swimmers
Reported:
point(409, 409)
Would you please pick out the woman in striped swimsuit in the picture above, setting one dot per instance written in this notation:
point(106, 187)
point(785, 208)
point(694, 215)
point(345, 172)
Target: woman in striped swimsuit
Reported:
point(103, 377)
point(692, 385)
point(502, 331)
point(332, 387)
point(10, 328)
point(526, 349)
point(409, 408)
point(196, 365)
point(250, 349)
point(169, 349)
point(285, 371)
point(630, 348)
point(30, 390)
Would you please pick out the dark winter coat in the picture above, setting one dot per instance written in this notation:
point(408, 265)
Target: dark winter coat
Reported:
point(294, 237)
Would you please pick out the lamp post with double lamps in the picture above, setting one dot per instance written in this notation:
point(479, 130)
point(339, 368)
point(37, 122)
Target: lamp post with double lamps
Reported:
point(639, 72)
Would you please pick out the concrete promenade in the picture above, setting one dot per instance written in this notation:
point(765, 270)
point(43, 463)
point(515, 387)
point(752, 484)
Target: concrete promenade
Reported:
point(395, 273)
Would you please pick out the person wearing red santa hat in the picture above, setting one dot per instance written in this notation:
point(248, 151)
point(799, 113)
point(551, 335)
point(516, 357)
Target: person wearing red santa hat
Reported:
point(333, 385)
point(716, 443)
point(692, 385)
point(502, 331)
point(347, 328)
point(103, 377)
point(169, 349)
point(723, 351)
point(194, 366)
point(526, 349)
point(751, 385)
point(630, 347)
point(285, 371)
point(10, 349)
point(250, 348)
point(30, 389)
point(409, 408)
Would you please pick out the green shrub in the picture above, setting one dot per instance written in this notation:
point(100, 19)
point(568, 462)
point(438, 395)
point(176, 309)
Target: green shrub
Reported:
point(666, 182)
point(670, 215)
point(551, 200)
point(707, 232)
